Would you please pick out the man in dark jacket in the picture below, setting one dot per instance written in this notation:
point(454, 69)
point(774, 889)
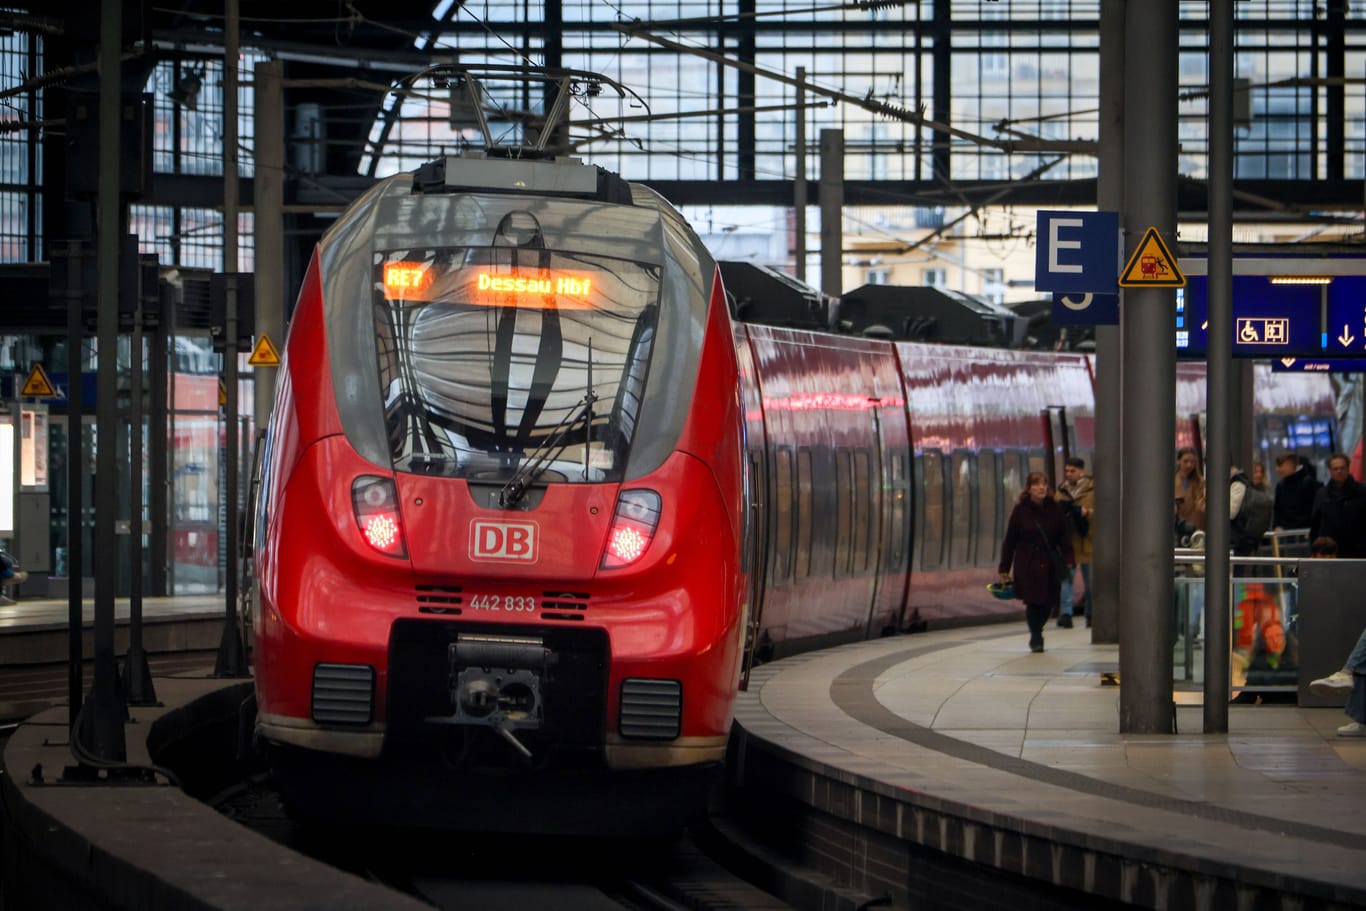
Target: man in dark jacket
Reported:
point(1340, 509)
point(1294, 492)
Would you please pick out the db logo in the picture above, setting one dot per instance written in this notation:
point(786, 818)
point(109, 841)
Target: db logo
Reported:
point(503, 541)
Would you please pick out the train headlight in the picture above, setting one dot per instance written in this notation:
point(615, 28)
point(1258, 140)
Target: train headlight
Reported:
point(375, 502)
point(633, 527)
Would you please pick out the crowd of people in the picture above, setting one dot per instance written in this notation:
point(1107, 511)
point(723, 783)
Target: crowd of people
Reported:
point(1049, 538)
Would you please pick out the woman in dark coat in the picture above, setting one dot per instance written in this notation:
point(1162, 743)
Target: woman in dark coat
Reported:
point(1037, 540)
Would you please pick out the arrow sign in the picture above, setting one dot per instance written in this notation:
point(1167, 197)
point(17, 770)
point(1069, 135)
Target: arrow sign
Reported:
point(1347, 337)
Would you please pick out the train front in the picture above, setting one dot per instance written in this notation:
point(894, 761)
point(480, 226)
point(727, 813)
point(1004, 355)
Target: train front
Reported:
point(501, 510)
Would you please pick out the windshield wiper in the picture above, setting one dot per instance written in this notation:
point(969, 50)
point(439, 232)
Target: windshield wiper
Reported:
point(535, 465)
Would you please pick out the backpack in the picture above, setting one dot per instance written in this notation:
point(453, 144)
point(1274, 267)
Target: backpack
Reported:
point(1254, 515)
point(1080, 524)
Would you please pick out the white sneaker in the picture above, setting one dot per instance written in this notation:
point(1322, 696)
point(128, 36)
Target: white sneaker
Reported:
point(1335, 684)
point(1352, 729)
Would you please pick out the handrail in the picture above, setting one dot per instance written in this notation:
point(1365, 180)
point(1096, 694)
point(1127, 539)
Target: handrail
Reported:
point(1193, 557)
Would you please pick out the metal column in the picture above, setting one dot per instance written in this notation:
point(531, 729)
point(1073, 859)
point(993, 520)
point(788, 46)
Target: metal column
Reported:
point(1105, 569)
point(1149, 375)
point(270, 226)
point(101, 731)
point(1220, 361)
point(832, 210)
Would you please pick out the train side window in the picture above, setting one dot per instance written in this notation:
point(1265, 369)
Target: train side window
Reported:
point(932, 527)
point(988, 508)
point(782, 514)
point(804, 500)
point(899, 512)
point(844, 511)
point(863, 511)
point(961, 512)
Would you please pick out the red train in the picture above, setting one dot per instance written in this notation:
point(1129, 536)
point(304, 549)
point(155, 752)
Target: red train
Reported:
point(501, 517)
point(531, 501)
point(890, 468)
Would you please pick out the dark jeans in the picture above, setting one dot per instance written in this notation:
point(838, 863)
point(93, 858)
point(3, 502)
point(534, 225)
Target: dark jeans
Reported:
point(1036, 615)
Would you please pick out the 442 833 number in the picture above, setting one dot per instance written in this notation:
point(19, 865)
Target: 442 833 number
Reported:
point(518, 604)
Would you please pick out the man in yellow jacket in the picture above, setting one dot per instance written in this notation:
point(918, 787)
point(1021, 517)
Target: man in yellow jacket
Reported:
point(1078, 498)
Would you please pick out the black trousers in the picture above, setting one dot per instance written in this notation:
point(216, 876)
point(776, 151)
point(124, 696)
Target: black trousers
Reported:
point(1036, 615)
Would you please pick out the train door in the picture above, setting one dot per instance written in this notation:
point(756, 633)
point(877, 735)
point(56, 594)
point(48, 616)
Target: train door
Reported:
point(1057, 441)
point(755, 539)
point(871, 480)
point(755, 551)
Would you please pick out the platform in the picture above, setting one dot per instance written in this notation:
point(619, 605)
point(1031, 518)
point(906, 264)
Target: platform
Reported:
point(954, 765)
point(141, 845)
point(962, 746)
point(178, 633)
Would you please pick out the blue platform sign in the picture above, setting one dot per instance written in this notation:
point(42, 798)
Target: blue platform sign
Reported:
point(1192, 319)
point(1086, 309)
point(1278, 320)
point(1344, 334)
point(1077, 252)
point(1318, 365)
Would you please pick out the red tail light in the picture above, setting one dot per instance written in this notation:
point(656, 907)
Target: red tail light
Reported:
point(633, 528)
point(376, 504)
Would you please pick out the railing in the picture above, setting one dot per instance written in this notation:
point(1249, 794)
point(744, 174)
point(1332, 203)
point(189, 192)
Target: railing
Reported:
point(1263, 611)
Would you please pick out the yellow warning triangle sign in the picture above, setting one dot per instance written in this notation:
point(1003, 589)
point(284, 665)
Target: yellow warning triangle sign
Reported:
point(265, 354)
point(1152, 265)
point(38, 385)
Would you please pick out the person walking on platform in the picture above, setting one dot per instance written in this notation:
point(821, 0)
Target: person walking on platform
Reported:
point(1189, 489)
point(1294, 498)
point(1340, 509)
point(1078, 498)
point(1351, 679)
point(1249, 513)
point(1038, 544)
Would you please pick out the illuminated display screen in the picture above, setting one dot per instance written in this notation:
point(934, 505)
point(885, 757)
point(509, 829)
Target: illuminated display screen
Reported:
point(542, 289)
point(520, 284)
point(406, 280)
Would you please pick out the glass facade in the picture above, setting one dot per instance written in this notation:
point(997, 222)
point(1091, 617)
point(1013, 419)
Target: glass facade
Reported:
point(994, 71)
point(928, 96)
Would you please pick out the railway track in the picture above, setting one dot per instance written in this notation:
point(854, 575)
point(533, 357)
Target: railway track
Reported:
point(26, 689)
point(494, 872)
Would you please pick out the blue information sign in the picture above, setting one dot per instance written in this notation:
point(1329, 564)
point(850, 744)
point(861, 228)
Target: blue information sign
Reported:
point(1086, 309)
point(1192, 315)
point(1278, 320)
point(1077, 252)
point(1318, 365)
point(1345, 333)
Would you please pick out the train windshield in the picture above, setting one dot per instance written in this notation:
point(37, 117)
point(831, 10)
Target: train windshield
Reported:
point(490, 357)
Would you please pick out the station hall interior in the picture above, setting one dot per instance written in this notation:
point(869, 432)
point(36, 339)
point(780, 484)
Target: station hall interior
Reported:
point(956, 121)
point(889, 190)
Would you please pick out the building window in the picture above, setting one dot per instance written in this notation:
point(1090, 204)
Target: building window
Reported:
point(877, 276)
point(933, 278)
point(994, 285)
